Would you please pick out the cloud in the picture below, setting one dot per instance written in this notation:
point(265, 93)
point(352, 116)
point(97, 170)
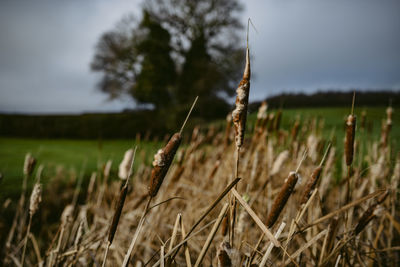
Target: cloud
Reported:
point(46, 47)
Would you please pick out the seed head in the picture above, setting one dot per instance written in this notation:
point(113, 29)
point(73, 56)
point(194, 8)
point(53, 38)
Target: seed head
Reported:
point(162, 162)
point(36, 198)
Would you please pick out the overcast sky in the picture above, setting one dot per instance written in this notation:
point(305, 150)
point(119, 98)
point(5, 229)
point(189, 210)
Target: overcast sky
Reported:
point(46, 48)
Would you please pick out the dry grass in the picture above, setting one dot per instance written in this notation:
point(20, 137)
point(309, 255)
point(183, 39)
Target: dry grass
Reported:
point(193, 188)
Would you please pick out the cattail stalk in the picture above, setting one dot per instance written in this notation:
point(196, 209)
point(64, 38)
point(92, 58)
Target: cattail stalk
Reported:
point(162, 162)
point(349, 145)
point(211, 236)
point(36, 198)
point(118, 209)
point(239, 117)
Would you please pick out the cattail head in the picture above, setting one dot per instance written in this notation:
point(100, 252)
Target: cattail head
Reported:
point(389, 113)
point(262, 111)
point(310, 186)
point(282, 198)
point(224, 259)
point(349, 142)
point(162, 162)
point(29, 164)
point(295, 130)
point(363, 119)
point(239, 115)
point(117, 214)
point(36, 198)
point(277, 122)
point(125, 164)
point(225, 224)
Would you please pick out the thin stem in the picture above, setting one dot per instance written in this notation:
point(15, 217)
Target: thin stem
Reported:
point(135, 237)
point(352, 105)
point(188, 115)
point(325, 155)
point(106, 253)
point(26, 240)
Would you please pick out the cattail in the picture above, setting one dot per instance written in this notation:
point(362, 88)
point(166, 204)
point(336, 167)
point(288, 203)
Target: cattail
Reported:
point(239, 115)
point(350, 134)
point(282, 198)
point(225, 224)
point(29, 164)
point(369, 214)
point(271, 119)
point(311, 183)
point(295, 130)
point(162, 162)
point(125, 164)
point(223, 255)
point(36, 198)
point(261, 115)
point(363, 119)
point(277, 122)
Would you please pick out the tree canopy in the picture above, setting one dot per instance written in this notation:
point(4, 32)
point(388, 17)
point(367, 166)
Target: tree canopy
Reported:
point(177, 50)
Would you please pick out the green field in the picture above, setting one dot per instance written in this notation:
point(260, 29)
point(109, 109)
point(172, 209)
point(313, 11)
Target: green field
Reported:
point(72, 154)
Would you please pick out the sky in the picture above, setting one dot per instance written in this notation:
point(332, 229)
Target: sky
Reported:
point(46, 47)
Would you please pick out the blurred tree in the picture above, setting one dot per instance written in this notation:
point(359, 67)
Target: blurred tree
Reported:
point(180, 49)
point(157, 75)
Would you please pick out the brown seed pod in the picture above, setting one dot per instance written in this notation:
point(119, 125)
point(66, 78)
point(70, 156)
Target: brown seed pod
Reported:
point(29, 164)
point(282, 198)
point(311, 183)
point(223, 257)
point(239, 115)
point(225, 224)
point(277, 122)
point(349, 142)
point(162, 162)
point(117, 213)
point(295, 130)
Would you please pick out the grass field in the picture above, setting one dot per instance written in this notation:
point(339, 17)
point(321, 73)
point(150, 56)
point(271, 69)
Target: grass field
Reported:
point(72, 154)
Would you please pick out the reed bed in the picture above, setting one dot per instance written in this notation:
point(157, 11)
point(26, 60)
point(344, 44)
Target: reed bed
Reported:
point(288, 213)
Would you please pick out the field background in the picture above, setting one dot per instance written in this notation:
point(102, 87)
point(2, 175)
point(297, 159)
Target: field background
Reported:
point(73, 155)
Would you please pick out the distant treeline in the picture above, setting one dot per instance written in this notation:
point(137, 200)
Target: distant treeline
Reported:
point(331, 99)
point(147, 122)
point(86, 126)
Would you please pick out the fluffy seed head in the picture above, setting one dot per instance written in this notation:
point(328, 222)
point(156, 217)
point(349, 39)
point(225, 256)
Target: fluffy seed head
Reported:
point(262, 111)
point(125, 164)
point(36, 198)
point(239, 115)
